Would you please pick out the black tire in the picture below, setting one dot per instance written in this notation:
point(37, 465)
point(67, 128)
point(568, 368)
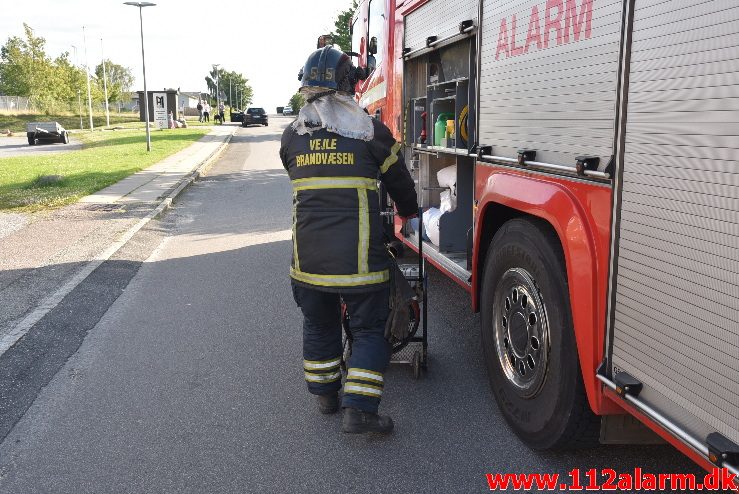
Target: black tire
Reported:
point(64, 138)
point(266, 125)
point(532, 362)
point(31, 140)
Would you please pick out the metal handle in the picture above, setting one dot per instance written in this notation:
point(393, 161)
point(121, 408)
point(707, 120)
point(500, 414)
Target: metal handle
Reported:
point(546, 166)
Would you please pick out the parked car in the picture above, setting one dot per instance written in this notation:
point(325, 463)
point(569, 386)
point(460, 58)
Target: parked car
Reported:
point(255, 116)
point(288, 110)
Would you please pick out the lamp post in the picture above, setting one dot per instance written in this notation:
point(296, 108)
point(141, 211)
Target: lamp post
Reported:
point(141, 5)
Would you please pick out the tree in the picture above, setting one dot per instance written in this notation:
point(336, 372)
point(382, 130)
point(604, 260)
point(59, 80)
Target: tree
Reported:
point(25, 69)
point(68, 80)
point(342, 34)
point(120, 80)
point(297, 101)
point(237, 83)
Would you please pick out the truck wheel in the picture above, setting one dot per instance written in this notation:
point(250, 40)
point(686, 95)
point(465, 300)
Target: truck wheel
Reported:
point(528, 340)
point(31, 140)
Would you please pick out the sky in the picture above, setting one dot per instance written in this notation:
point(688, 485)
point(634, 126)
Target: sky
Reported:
point(266, 40)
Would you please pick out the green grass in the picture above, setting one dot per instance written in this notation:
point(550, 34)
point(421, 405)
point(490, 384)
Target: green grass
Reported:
point(107, 157)
point(17, 123)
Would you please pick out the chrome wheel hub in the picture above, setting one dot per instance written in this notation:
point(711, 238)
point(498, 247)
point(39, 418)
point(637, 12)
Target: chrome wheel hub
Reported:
point(521, 331)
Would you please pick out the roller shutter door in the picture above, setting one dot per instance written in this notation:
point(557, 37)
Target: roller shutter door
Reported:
point(676, 311)
point(549, 77)
point(439, 18)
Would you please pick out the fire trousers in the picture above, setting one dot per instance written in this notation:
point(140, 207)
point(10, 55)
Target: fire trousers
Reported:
point(322, 348)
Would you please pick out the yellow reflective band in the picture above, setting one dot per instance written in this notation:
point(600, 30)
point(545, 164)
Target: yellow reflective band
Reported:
point(296, 261)
point(322, 378)
point(362, 389)
point(321, 364)
point(364, 233)
point(341, 280)
point(392, 159)
point(334, 183)
point(365, 374)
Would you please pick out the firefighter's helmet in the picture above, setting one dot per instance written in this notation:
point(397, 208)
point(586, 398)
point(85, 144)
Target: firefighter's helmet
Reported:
point(330, 68)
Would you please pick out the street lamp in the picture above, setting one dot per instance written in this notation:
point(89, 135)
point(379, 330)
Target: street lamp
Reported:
point(141, 5)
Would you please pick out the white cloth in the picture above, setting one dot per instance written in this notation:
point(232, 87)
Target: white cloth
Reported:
point(337, 113)
point(431, 218)
point(447, 177)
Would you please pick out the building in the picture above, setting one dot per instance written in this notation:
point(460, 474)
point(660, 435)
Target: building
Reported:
point(187, 102)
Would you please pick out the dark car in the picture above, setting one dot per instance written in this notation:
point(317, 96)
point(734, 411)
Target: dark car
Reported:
point(237, 116)
point(255, 116)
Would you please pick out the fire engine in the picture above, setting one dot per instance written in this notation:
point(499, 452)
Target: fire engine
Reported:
point(593, 214)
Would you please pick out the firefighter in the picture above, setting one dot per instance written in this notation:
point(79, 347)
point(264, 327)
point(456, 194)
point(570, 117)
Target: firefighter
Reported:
point(334, 154)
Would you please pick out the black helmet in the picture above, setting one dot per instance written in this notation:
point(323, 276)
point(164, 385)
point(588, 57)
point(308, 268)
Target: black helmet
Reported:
point(330, 68)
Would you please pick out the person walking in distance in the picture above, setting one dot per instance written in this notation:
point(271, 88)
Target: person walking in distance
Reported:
point(206, 112)
point(335, 154)
point(200, 110)
point(222, 110)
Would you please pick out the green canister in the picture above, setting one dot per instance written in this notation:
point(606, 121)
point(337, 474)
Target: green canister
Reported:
point(440, 127)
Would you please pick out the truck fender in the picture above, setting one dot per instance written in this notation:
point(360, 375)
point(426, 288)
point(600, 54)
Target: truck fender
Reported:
point(558, 207)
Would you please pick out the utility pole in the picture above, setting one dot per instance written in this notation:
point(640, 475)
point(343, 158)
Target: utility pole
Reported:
point(105, 86)
point(230, 96)
point(79, 93)
point(87, 72)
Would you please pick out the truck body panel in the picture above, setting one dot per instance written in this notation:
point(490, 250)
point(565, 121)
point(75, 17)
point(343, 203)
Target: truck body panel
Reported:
point(649, 229)
point(675, 322)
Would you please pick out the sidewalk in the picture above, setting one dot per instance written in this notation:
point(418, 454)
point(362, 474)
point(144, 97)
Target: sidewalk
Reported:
point(42, 251)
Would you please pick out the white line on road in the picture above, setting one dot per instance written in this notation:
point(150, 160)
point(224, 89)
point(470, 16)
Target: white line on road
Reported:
point(49, 303)
point(53, 300)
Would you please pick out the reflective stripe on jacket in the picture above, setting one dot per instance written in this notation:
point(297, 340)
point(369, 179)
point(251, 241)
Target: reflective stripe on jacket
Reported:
point(337, 228)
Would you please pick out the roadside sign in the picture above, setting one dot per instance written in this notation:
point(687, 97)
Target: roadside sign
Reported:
point(160, 109)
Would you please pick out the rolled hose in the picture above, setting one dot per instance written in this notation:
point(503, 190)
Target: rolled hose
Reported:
point(463, 116)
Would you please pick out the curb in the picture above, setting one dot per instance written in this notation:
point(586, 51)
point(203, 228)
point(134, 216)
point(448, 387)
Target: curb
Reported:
point(50, 302)
point(199, 171)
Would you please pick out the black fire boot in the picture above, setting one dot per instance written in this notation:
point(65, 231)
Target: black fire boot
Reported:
point(359, 422)
point(328, 404)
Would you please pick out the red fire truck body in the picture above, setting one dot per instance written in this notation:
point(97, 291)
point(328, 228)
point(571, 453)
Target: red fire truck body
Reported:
point(572, 111)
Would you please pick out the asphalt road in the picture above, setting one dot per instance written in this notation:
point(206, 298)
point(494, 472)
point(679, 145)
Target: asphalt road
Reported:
point(18, 146)
point(191, 380)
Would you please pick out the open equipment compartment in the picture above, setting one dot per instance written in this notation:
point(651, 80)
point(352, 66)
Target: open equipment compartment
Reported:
point(438, 88)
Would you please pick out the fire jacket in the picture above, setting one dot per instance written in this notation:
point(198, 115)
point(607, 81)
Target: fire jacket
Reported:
point(337, 229)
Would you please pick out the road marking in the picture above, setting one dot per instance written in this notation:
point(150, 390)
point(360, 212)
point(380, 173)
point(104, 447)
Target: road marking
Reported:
point(50, 302)
point(53, 300)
